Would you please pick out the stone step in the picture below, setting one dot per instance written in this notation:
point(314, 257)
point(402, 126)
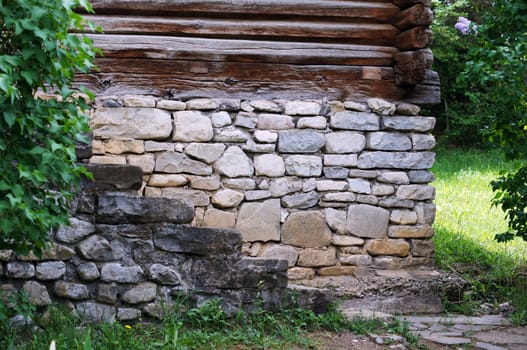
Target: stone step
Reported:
point(112, 177)
point(119, 209)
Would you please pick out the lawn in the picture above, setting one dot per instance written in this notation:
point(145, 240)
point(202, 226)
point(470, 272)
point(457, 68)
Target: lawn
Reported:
point(465, 227)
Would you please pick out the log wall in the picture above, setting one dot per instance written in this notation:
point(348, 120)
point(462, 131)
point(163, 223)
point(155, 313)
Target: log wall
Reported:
point(270, 49)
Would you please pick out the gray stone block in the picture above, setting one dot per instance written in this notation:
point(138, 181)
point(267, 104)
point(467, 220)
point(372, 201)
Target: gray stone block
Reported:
point(197, 240)
point(300, 141)
point(355, 121)
point(368, 221)
point(114, 209)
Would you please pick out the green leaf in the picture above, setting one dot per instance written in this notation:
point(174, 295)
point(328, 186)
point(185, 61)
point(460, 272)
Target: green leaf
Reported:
point(9, 118)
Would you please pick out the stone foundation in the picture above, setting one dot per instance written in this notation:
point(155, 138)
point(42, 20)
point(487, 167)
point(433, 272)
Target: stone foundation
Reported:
point(125, 257)
point(333, 187)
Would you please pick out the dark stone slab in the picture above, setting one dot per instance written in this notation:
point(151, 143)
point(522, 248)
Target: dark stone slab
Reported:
point(113, 177)
point(84, 150)
point(115, 209)
point(126, 230)
point(197, 240)
point(258, 274)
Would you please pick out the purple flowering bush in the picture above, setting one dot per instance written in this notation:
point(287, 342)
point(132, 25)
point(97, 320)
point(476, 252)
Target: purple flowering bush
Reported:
point(459, 121)
point(466, 26)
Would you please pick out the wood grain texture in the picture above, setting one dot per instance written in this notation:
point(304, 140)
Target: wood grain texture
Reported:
point(218, 50)
point(418, 15)
point(411, 67)
point(180, 79)
point(414, 39)
point(373, 10)
point(408, 3)
point(360, 33)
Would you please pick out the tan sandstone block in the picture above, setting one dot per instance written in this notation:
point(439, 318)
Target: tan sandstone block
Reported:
point(124, 146)
point(424, 231)
point(336, 271)
point(307, 229)
point(260, 221)
point(395, 247)
point(219, 218)
point(317, 257)
point(169, 180)
point(300, 273)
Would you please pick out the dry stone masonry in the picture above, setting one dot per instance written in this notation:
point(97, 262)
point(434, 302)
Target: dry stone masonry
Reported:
point(332, 187)
point(236, 198)
point(125, 257)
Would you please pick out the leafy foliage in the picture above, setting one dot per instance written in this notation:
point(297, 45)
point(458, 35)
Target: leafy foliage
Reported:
point(461, 118)
point(38, 169)
point(498, 63)
point(484, 77)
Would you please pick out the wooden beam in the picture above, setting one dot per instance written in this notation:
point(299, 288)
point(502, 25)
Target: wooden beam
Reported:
point(418, 15)
point(414, 39)
point(370, 33)
point(373, 10)
point(221, 50)
point(403, 4)
point(411, 67)
point(188, 79)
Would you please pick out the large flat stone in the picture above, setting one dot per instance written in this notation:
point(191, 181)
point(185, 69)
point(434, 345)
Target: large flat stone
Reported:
point(355, 121)
point(395, 247)
point(418, 124)
point(307, 229)
point(135, 123)
point(317, 257)
point(192, 126)
point(345, 142)
point(141, 293)
point(114, 209)
point(300, 200)
point(275, 122)
point(275, 251)
point(260, 221)
point(419, 231)
point(368, 221)
point(300, 141)
point(385, 141)
point(207, 152)
point(78, 229)
point(174, 163)
point(197, 240)
point(270, 165)
point(396, 160)
point(234, 163)
point(116, 272)
point(285, 185)
point(303, 166)
point(113, 177)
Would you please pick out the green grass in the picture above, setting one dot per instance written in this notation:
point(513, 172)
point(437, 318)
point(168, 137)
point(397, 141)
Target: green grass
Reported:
point(465, 227)
point(207, 327)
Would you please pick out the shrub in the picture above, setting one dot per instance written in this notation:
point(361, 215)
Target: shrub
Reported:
point(38, 169)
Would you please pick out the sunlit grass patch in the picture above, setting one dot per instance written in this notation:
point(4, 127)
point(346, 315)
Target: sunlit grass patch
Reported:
point(466, 224)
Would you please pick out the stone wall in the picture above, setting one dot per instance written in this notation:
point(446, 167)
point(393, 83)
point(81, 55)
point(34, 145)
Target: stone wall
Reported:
point(333, 187)
point(125, 257)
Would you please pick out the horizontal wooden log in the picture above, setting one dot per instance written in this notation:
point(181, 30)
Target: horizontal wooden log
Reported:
point(418, 15)
point(188, 79)
point(403, 4)
point(373, 10)
point(218, 50)
point(414, 39)
point(370, 33)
